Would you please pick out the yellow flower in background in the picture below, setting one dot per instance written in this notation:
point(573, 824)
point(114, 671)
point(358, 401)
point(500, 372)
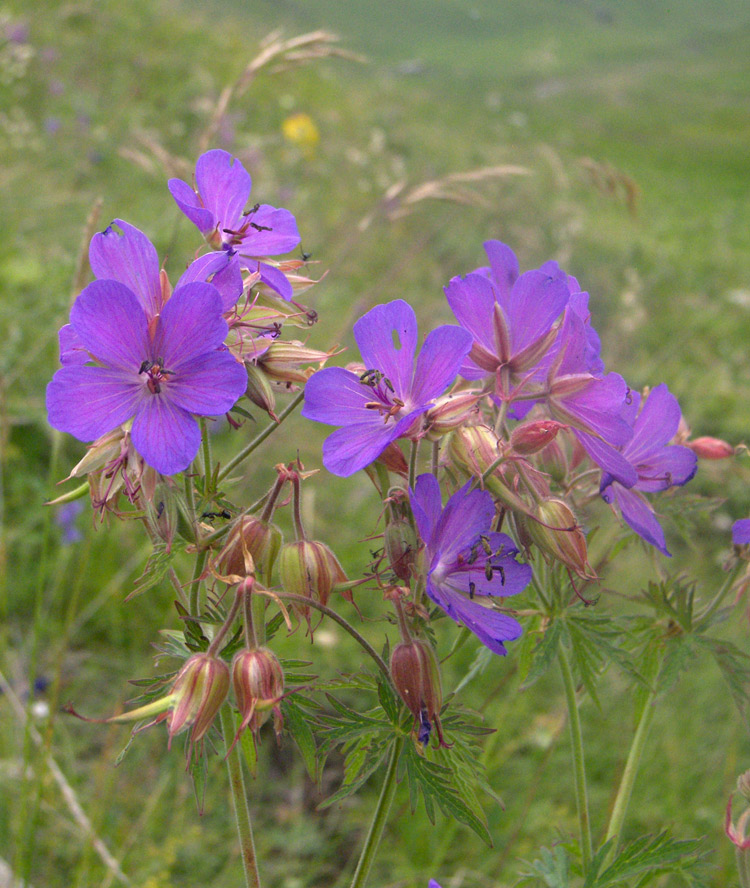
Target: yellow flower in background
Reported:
point(301, 131)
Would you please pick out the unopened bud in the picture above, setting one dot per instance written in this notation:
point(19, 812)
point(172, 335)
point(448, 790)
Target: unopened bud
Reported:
point(553, 460)
point(162, 514)
point(310, 569)
point(256, 538)
point(199, 690)
point(291, 361)
point(556, 532)
point(400, 547)
point(474, 449)
point(710, 448)
point(258, 682)
point(450, 412)
point(531, 437)
point(259, 389)
point(416, 677)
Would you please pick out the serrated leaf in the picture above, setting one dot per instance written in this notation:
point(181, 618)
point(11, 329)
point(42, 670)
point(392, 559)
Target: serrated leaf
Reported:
point(299, 727)
point(544, 653)
point(650, 854)
point(436, 785)
point(364, 762)
point(735, 670)
point(586, 658)
point(679, 653)
point(388, 700)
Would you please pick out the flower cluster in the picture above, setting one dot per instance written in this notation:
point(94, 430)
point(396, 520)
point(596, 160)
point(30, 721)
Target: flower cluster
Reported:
point(510, 408)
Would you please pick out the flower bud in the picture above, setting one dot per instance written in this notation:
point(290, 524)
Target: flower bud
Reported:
point(258, 683)
point(474, 449)
point(553, 460)
point(450, 412)
point(291, 361)
point(557, 533)
point(259, 389)
point(254, 537)
point(416, 677)
point(710, 448)
point(310, 569)
point(531, 437)
point(401, 547)
point(198, 692)
point(163, 515)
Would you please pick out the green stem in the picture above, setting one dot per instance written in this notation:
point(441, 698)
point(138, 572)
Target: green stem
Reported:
point(207, 455)
point(239, 797)
point(379, 819)
point(259, 439)
point(324, 609)
point(435, 458)
point(195, 584)
point(579, 767)
point(742, 868)
point(622, 799)
point(414, 452)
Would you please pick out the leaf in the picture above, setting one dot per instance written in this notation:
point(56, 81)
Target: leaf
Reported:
point(482, 659)
point(365, 757)
point(652, 854)
point(543, 655)
point(735, 670)
point(552, 869)
point(437, 784)
point(299, 727)
point(249, 749)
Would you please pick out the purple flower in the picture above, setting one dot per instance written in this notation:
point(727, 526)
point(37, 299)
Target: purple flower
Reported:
point(533, 333)
point(433, 884)
point(386, 401)
point(156, 372)
point(741, 532)
point(465, 558)
point(66, 519)
point(217, 209)
point(658, 464)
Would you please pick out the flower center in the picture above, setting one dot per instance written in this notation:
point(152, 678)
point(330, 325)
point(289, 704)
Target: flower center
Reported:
point(384, 400)
point(156, 374)
point(236, 237)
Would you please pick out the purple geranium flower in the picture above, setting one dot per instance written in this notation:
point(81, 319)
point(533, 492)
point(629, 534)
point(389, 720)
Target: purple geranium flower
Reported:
point(217, 209)
point(658, 464)
point(465, 558)
point(156, 372)
point(385, 402)
point(741, 532)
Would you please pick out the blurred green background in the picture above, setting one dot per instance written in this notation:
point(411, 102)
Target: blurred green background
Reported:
point(631, 121)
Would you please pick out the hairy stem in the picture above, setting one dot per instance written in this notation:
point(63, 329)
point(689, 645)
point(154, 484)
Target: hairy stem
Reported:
point(627, 780)
point(260, 438)
point(363, 643)
point(388, 790)
point(239, 797)
point(579, 767)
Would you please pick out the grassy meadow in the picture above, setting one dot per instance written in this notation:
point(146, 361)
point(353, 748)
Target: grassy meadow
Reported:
point(619, 136)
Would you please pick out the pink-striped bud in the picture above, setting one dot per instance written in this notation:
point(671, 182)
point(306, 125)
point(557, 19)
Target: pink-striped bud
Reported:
point(291, 361)
point(416, 677)
point(259, 390)
point(557, 533)
point(710, 448)
point(450, 412)
point(474, 449)
point(310, 569)
point(198, 691)
point(258, 683)
point(401, 548)
point(531, 437)
point(256, 538)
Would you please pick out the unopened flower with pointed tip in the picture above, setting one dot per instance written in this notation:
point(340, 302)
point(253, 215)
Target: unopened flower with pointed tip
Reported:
point(253, 537)
point(217, 208)
point(465, 559)
point(198, 692)
point(553, 527)
point(710, 448)
point(387, 401)
point(416, 676)
point(258, 683)
point(309, 568)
